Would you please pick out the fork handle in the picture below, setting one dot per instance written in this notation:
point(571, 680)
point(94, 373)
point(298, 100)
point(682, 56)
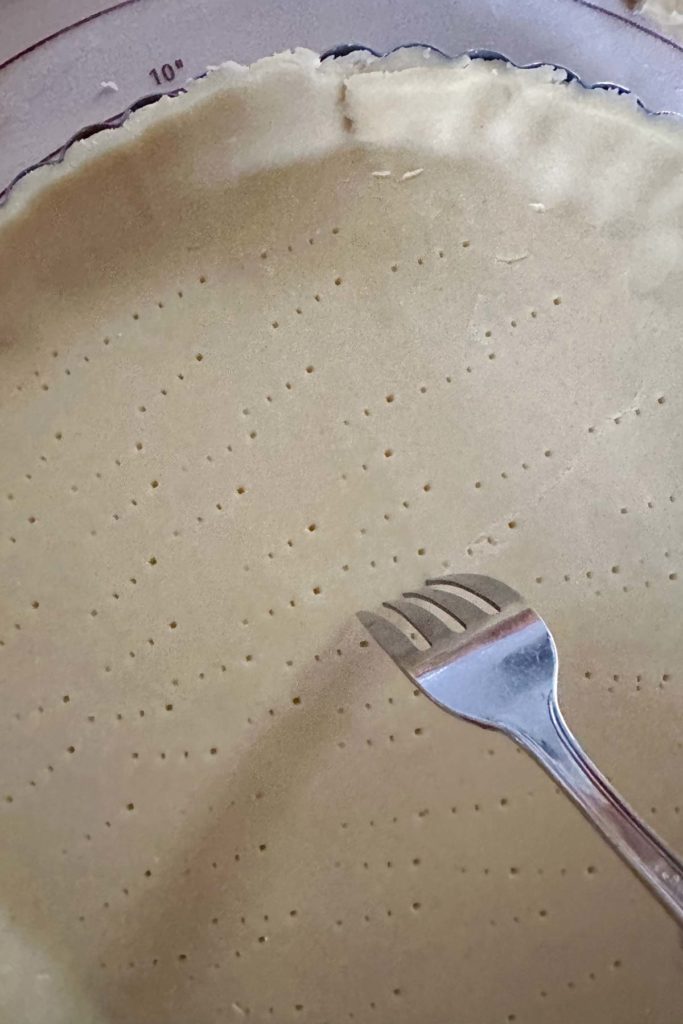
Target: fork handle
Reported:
point(556, 749)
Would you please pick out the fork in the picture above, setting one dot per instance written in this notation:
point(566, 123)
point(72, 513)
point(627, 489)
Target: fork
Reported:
point(498, 668)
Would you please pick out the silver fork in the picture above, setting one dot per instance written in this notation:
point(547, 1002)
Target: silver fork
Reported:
point(498, 668)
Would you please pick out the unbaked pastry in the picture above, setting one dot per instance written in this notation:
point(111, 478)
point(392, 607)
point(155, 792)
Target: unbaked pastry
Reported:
point(667, 13)
point(273, 351)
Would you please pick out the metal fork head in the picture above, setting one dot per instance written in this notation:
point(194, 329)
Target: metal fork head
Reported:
point(497, 667)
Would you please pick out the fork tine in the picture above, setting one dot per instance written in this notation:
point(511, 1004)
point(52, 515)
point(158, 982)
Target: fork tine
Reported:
point(462, 610)
point(496, 593)
point(424, 621)
point(388, 636)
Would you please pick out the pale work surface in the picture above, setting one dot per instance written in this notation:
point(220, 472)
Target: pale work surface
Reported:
point(274, 351)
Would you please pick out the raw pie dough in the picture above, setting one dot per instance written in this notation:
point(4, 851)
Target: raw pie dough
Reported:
point(276, 350)
point(665, 13)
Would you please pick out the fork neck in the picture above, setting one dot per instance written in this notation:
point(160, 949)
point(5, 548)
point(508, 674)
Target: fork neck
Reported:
point(555, 748)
